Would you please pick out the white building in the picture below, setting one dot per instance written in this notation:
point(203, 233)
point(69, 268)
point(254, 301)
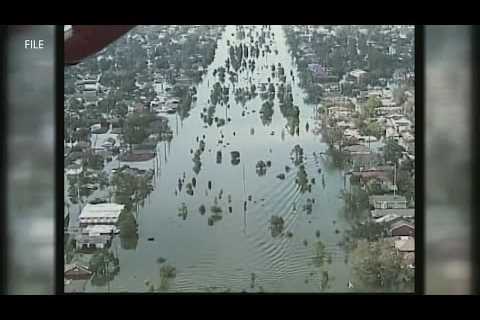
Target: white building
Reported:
point(102, 213)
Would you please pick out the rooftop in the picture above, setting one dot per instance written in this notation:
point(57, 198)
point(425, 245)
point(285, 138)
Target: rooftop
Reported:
point(387, 197)
point(101, 210)
point(401, 223)
point(405, 244)
point(399, 212)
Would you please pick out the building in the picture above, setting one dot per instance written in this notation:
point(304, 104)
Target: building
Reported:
point(357, 149)
point(100, 229)
point(405, 244)
point(102, 213)
point(73, 169)
point(388, 218)
point(406, 248)
point(402, 228)
point(76, 271)
point(387, 201)
point(359, 75)
point(404, 213)
point(92, 241)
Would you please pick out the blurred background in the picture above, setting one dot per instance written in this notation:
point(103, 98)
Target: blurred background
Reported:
point(30, 174)
point(448, 165)
point(30, 159)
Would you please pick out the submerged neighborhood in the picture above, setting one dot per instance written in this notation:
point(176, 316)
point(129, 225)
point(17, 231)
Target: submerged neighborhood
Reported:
point(242, 159)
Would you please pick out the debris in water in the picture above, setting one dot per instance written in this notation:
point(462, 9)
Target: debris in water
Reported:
point(281, 176)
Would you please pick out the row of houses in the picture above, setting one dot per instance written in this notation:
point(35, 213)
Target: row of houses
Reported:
point(392, 211)
point(98, 225)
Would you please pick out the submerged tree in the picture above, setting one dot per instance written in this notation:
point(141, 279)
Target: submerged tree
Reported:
point(276, 225)
point(167, 273)
point(128, 230)
point(302, 179)
point(355, 202)
point(105, 266)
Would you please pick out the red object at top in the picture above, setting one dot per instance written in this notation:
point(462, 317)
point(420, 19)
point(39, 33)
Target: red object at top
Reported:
point(84, 41)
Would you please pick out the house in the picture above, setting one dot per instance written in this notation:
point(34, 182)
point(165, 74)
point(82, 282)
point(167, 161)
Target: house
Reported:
point(402, 228)
point(387, 201)
point(76, 271)
point(339, 112)
point(102, 213)
point(359, 75)
point(92, 241)
point(405, 244)
point(357, 149)
point(384, 177)
point(73, 169)
point(388, 218)
point(405, 247)
point(100, 229)
point(404, 213)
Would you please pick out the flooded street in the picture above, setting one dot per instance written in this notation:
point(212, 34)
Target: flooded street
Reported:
point(236, 251)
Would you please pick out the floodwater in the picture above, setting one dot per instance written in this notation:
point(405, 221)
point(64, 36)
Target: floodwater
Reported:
point(223, 256)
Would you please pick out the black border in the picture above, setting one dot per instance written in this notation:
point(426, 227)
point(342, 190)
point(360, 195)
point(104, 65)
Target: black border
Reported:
point(419, 182)
point(420, 239)
point(59, 161)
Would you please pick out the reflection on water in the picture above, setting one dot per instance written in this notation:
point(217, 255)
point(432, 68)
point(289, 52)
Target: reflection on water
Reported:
point(244, 198)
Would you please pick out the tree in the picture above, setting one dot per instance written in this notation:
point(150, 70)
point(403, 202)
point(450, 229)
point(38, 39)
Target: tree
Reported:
point(373, 129)
point(128, 230)
point(104, 266)
point(135, 129)
point(367, 230)
point(372, 104)
point(406, 184)
point(334, 136)
point(355, 201)
point(392, 151)
point(377, 266)
point(131, 188)
point(120, 110)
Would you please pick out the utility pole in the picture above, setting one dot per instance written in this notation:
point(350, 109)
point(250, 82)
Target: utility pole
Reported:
point(394, 179)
